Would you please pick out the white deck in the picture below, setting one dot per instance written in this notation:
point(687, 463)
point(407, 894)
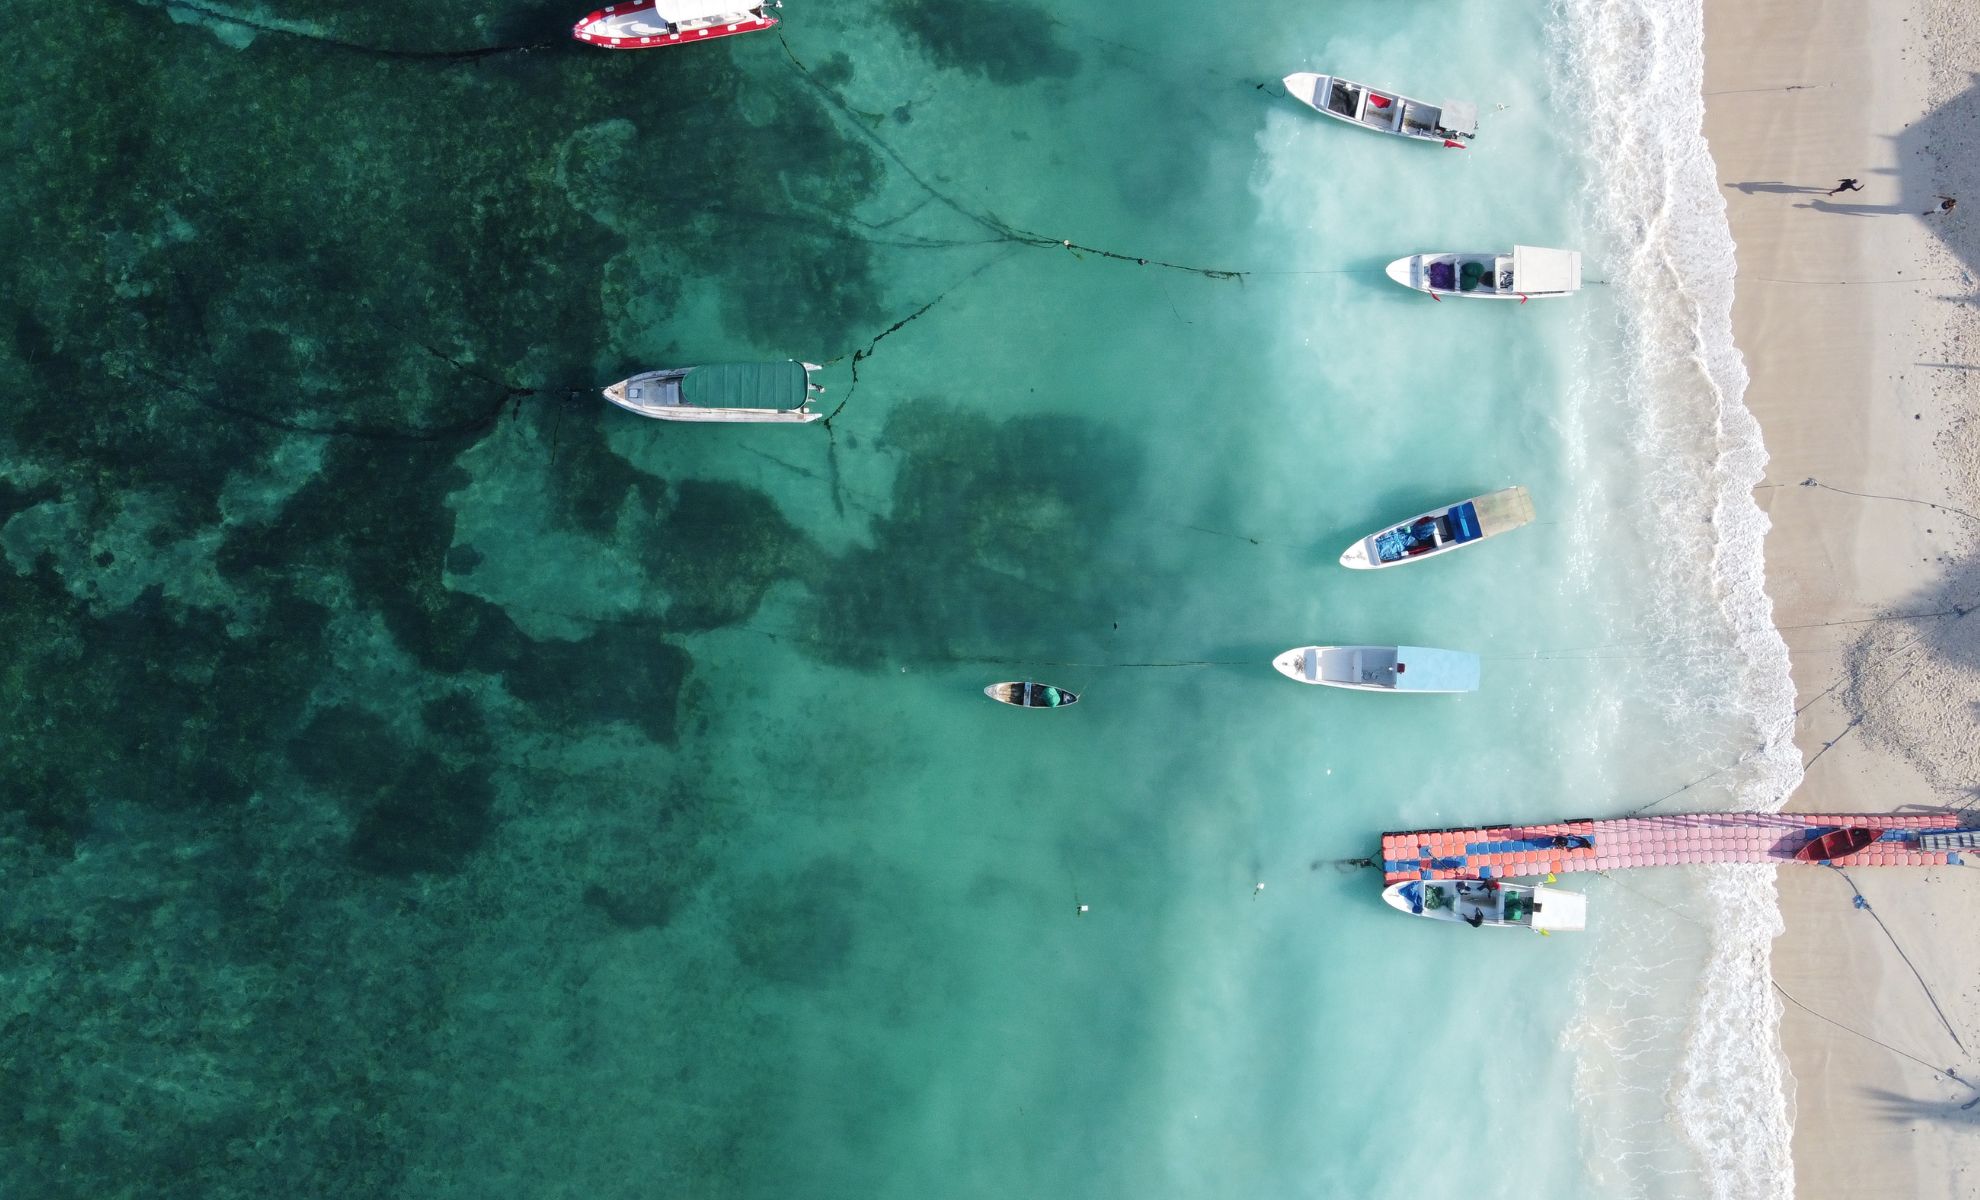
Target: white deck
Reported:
point(1527, 273)
point(1501, 905)
point(1381, 668)
point(669, 16)
point(1381, 110)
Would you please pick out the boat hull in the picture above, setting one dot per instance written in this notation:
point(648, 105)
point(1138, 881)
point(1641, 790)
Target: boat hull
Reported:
point(1413, 272)
point(1031, 695)
point(636, 26)
point(1495, 512)
point(1838, 844)
point(1480, 903)
point(1313, 90)
point(657, 394)
point(1381, 668)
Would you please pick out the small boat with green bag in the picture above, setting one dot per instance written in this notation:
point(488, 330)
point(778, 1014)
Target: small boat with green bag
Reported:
point(1528, 273)
point(1481, 902)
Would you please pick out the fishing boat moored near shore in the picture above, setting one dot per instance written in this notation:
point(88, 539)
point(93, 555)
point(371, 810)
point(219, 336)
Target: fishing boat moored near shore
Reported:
point(1385, 112)
point(775, 391)
point(651, 24)
point(1381, 668)
point(1030, 695)
point(1444, 528)
point(1528, 273)
point(1481, 902)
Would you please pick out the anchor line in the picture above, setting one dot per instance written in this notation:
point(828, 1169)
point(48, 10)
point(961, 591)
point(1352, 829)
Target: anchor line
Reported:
point(866, 352)
point(1864, 904)
point(449, 57)
point(983, 220)
point(1812, 482)
point(1939, 1071)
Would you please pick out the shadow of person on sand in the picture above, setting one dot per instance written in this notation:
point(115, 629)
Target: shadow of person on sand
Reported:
point(1752, 186)
point(1906, 1109)
point(1857, 210)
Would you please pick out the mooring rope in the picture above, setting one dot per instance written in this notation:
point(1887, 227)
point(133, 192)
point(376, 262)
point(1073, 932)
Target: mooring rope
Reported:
point(1862, 902)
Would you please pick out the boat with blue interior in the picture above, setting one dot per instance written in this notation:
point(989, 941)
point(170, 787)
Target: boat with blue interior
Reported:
point(1527, 273)
point(773, 391)
point(1030, 695)
point(1381, 668)
point(1482, 902)
point(1443, 529)
point(1452, 123)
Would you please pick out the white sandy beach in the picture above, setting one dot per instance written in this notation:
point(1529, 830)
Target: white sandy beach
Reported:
point(1856, 317)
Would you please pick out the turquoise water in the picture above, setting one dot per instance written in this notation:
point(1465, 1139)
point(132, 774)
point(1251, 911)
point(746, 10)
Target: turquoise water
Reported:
point(426, 780)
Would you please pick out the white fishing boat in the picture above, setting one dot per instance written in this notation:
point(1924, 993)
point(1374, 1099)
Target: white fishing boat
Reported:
point(1381, 668)
point(1443, 529)
point(1528, 273)
point(775, 391)
point(1452, 122)
point(1481, 902)
point(652, 24)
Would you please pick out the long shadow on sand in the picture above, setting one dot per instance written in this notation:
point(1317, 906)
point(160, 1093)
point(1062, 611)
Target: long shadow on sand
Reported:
point(1907, 1110)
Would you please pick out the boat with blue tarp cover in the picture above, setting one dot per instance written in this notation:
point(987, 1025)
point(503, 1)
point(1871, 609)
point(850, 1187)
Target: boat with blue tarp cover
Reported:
point(1381, 668)
point(1481, 902)
point(772, 391)
point(1442, 529)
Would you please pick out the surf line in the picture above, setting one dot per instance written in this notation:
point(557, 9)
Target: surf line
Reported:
point(984, 220)
point(449, 57)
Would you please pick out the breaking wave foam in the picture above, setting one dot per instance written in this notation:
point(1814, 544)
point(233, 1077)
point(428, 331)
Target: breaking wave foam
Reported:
point(1637, 66)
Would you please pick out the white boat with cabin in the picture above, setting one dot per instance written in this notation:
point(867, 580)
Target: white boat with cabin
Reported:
point(775, 391)
point(1482, 902)
point(652, 24)
point(1528, 273)
point(1381, 668)
point(1453, 122)
point(1443, 529)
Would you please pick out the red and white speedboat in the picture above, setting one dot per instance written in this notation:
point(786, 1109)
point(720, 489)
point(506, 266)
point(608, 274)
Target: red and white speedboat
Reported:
point(650, 24)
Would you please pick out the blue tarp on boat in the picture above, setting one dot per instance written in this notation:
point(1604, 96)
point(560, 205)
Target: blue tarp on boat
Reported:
point(1464, 522)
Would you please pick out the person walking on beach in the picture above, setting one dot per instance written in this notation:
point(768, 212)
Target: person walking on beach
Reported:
point(1847, 185)
point(1945, 205)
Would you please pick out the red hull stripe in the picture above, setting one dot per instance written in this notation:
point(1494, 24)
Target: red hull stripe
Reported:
point(581, 32)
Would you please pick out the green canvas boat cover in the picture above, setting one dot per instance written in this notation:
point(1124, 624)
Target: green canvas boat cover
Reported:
point(778, 385)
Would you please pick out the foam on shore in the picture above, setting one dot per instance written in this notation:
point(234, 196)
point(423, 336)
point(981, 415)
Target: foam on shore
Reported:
point(1654, 195)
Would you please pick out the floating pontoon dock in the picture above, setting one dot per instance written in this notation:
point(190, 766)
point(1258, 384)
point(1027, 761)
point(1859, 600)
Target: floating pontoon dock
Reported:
point(1679, 839)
